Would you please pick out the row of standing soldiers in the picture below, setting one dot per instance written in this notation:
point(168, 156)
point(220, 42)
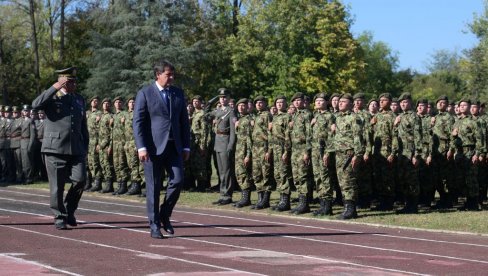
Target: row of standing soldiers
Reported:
point(21, 134)
point(369, 157)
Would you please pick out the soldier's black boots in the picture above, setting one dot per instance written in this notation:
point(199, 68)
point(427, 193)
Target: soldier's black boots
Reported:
point(284, 204)
point(264, 203)
point(260, 198)
point(386, 204)
point(471, 204)
point(97, 186)
point(109, 187)
point(411, 207)
point(122, 188)
point(302, 207)
point(245, 199)
point(134, 189)
point(87, 186)
point(349, 210)
point(325, 208)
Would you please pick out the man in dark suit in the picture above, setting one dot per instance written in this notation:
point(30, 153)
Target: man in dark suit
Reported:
point(64, 145)
point(162, 136)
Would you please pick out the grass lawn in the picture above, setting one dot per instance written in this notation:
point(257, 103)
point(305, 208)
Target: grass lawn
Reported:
point(450, 220)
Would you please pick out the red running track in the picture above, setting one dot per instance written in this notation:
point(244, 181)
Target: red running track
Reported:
point(113, 239)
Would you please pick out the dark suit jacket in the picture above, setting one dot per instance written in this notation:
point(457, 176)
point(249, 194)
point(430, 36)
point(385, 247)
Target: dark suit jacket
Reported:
point(65, 128)
point(153, 121)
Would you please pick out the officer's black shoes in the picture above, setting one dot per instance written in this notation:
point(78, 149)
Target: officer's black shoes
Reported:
point(325, 208)
point(60, 224)
point(349, 211)
point(109, 188)
point(97, 186)
point(225, 201)
point(167, 225)
point(71, 220)
point(264, 203)
point(134, 189)
point(156, 234)
point(302, 207)
point(245, 199)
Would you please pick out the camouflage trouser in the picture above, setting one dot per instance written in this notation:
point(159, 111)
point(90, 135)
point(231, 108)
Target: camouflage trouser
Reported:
point(243, 173)
point(384, 187)
point(107, 165)
point(120, 162)
point(443, 174)
point(408, 176)
point(198, 164)
point(321, 176)
point(136, 168)
point(261, 169)
point(466, 174)
point(94, 167)
point(346, 175)
point(281, 170)
point(301, 171)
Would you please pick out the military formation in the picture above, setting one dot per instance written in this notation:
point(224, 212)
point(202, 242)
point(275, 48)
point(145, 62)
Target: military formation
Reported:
point(382, 154)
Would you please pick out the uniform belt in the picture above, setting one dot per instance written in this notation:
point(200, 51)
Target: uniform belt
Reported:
point(222, 132)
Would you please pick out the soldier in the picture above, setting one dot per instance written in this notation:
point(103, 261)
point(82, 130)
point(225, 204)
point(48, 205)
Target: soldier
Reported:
point(425, 176)
point(373, 107)
point(200, 142)
point(14, 133)
point(483, 167)
point(261, 158)
point(322, 146)
point(385, 145)
point(334, 102)
point(65, 145)
point(408, 128)
point(364, 169)
point(243, 156)
point(281, 153)
point(349, 148)
point(118, 143)
point(95, 170)
point(136, 168)
point(442, 167)
point(475, 113)
point(40, 167)
point(299, 138)
point(395, 106)
point(467, 142)
point(26, 143)
point(105, 146)
point(224, 119)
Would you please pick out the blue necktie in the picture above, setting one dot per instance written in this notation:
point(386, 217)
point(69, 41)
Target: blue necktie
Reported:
point(164, 93)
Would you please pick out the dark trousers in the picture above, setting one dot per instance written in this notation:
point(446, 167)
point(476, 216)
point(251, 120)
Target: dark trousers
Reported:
point(61, 169)
point(225, 166)
point(171, 161)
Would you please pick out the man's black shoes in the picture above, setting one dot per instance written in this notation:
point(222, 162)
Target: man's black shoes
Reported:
point(60, 224)
point(156, 234)
point(167, 225)
point(71, 220)
point(225, 201)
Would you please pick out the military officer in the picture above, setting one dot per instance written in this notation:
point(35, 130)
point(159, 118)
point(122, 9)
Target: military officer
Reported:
point(65, 144)
point(14, 133)
point(26, 143)
point(223, 121)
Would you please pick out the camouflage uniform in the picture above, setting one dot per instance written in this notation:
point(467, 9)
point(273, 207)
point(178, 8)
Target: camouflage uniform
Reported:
point(365, 169)
point(442, 167)
point(105, 144)
point(483, 167)
point(200, 143)
point(261, 169)
point(278, 146)
point(136, 168)
point(467, 143)
point(425, 176)
point(244, 150)
point(118, 142)
point(94, 168)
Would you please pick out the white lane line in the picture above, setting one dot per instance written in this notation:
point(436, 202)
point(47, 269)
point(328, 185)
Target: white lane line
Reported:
point(292, 224)
point(138, 252)
point(221, 244)
point(20, 260)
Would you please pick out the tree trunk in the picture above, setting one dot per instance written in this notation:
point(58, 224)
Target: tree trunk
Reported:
point(61, 32)
point(35, 46)
point(235, 13)
point(4, 73)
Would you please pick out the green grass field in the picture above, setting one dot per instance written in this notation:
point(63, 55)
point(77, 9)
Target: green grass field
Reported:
point(448, 220)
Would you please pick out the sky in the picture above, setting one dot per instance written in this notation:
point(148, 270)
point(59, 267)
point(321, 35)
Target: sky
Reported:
point(416, 29)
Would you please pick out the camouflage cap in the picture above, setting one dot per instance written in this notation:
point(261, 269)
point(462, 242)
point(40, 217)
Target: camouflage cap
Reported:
point(280, 97)
point(259, 98)
point(119, 98)
point(94, 98)
point(347, 96)
point(242, 101)
point(69, 72)
point(466, 100)
point(335, 95)
point(476, 102)
point(394, 100)
point(422, 101)
point(405, 96)
point(223, 92)
point(385, 95)
point(106, 100)
point(320, 95)
point(298, 95)
point(131, 98)
point(442, 98)
point(198, 98)
point(359, 95)
point(372, 100)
